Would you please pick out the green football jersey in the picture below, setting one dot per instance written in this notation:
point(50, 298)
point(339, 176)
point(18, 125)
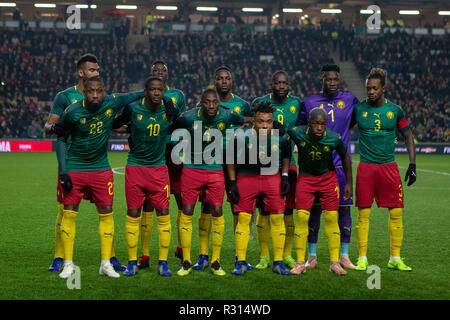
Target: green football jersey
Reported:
point(285, 113)
point(377, 127)
point(88, 132)
point(179, 101)
point(192, 119)
point(248, 150)
point(177, 97)
point(315, 158)
point(65, 98)
point(148, 132)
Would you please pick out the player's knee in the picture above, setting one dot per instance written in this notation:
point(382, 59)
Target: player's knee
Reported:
point(277, 219)
point(216, 211)
point(134, 213)
point(162, 212)
point(104, 209)
point(72, 207)
point(303, 216)
point(395, 213)
point(330, 216)
point(188, 209)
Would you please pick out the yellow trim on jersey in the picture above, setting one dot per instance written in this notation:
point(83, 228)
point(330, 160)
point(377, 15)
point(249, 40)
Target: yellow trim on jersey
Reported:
point(83, 104)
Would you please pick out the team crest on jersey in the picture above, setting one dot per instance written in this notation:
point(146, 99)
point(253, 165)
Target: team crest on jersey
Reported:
point(109, 112)
point(237, 110)
point(221, 126)
point(174, 100)
point(341, 104)
point(364, 115)
point(326, 148)
point(139, 117)
point(303, 144)
point(74, 100)
point(195, 126)
point(275, 147)
point(390, 115)
point(83, 120)
point(321, 105)
point(293, 109)
point(164, 116)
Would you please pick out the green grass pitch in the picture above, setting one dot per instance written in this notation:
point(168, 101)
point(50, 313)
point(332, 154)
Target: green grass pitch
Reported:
point(28, 211)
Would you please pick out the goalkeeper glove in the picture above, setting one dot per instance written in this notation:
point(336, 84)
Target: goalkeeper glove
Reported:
point(411, 174)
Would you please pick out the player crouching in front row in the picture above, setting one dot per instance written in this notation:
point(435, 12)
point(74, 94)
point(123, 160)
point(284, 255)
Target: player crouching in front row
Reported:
point(254, 179)
point(315, 143)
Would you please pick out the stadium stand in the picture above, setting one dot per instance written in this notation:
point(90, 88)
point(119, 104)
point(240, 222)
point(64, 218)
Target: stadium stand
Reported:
point(417, 69)
point(36, 64)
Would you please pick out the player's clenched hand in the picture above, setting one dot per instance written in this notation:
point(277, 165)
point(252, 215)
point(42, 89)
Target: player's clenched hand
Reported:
point(234, 192)
point(284, 185)
point(280, 127)
point(348, 191)
point(57, 129)
point(411, 174)
point(66, 182)
point(171, 110)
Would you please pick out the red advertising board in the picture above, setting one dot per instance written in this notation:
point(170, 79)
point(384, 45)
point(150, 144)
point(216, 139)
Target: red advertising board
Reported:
point(25, 146)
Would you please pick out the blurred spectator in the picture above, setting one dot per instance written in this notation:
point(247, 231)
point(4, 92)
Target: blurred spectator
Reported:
point(418, 70)
point(35, 65)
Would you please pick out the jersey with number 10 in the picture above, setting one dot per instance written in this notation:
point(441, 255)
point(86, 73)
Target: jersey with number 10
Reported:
point(339, 110)
point(148, 132)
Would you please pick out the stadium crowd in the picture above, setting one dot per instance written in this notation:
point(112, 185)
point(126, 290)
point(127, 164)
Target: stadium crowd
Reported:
point(35, 65)
point(418, 82)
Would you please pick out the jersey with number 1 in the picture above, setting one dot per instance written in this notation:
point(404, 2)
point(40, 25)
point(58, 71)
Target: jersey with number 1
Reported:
point(339, 110)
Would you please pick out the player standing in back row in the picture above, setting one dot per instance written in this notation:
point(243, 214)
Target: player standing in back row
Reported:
point(377, 177)
point(159, 69)
point(339, 108)
point(286, 112)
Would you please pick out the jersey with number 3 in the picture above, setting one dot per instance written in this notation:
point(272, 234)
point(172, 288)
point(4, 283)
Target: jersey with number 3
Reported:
point(377, 128)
